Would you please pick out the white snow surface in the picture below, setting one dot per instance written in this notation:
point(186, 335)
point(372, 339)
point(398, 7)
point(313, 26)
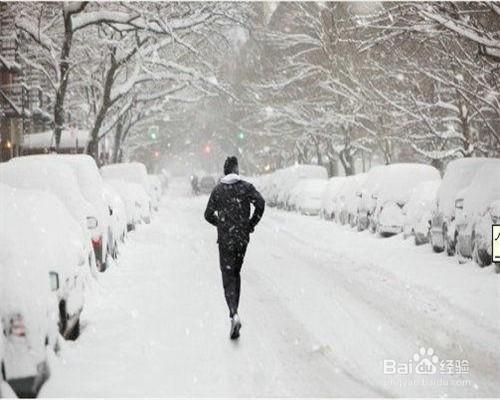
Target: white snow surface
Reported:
point(322, 306)
point(458, 176)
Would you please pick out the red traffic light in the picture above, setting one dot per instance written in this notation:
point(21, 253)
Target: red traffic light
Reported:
point(207, 149)
point(157, 154)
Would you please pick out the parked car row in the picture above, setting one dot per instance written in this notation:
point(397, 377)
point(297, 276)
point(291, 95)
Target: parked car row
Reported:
point(61, 224)
point(455, 214)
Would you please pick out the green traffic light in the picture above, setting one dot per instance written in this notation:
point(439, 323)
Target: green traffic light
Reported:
point(241, 135)
point(153, 136)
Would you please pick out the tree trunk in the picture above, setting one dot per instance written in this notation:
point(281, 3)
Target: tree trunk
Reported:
point(118, 140)
point(347, 162)
point(319, 159)
point(59, 117)
point(106, 103)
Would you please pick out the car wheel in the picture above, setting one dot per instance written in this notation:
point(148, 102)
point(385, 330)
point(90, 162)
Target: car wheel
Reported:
point(449, 246)
point(435, 247)
point(480, 256)
point(75, 331)
point(497, 268)
point(63, 318)
point(418, 240)
point(371, 227)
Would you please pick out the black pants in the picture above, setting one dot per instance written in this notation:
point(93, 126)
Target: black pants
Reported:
point(231, 261)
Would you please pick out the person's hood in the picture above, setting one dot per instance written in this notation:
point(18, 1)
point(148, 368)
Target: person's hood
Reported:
point(230, 178)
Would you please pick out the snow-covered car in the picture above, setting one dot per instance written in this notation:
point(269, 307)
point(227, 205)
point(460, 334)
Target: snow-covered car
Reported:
point(346, 205)
point(128, 197)
point(156, 189)
point(142, 202)
point(418, 211)
point(262, 183)
point(395, 188)
point(132, 172)
point(28, 308)
point(57, 178)
point(367, 197)
point(92, 187)
point(458, 176)
point(309, 194)
point(286, 179)
point(477, 208)
point(118, 218)
point(207, 184)
point(272, 187)
point(329, 197)
point(62, 248)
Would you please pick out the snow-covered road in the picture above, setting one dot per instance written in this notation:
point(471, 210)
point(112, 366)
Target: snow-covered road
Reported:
point(322, 308)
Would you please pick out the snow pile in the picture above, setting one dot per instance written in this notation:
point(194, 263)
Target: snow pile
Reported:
point(49, 176)
point(133, 172)
point(329, 196)
point(398, 180)
point(417, 211)
point(483, 190)
point(119, 213)
point(91, 186)
point(371, 187)
point(280, 184)
point(30, 245)
point(307, 194)
point(348, 199)
point(128, 196)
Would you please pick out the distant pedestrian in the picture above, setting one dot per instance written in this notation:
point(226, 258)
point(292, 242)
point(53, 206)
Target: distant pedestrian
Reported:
point(228, 209)
point(194, 185)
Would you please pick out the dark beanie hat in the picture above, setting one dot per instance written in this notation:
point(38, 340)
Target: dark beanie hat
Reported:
point(231, 165)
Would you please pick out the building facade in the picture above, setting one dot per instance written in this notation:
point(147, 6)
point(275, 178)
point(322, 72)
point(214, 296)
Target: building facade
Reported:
point(24, 106)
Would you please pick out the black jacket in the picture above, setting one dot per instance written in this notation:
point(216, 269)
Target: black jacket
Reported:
point(231, 202)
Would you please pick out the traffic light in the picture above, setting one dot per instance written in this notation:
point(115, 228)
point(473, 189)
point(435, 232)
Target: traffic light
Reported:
point(241, 135)
point(153, 132)
point(156, 154)
point(207, 149)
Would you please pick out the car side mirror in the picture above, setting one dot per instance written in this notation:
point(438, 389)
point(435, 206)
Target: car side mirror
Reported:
point(54, 281)
point(459, 204)
point(110, 211)
point(358, 194)
point(92, 222)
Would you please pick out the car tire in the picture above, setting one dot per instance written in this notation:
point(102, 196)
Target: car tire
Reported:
point(75, 331)
point(481, 257)
point(435, 247)
point(497, 268)
point(63, 318)
point(449, 247)
point(418, 240)
point(372, 227)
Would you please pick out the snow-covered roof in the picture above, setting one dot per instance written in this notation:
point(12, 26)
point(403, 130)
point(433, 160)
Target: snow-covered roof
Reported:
point(70, 139)
point(133, 172)
point(459, 174)
point(484, 188)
